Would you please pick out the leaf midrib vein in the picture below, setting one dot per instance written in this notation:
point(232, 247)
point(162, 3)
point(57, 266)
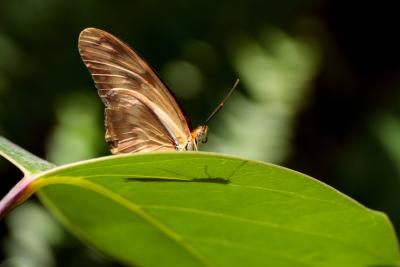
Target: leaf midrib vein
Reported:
point(232, 185)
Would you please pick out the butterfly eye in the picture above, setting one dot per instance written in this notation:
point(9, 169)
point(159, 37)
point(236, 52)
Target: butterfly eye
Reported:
point(201, 134)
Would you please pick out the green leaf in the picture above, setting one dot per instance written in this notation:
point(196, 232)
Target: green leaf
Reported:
point(203, 209)
point(27, 162)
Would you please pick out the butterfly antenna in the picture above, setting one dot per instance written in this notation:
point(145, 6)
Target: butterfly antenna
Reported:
point(221, 105)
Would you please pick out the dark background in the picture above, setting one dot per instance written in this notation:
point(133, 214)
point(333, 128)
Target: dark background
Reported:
point(319, 93)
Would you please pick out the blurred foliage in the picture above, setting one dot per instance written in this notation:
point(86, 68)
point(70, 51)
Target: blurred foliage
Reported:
point(319, 92)
point(30, 244)
point(277, 72)
point(77, 132)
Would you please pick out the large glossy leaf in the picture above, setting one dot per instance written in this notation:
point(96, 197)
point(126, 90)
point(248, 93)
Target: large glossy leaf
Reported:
point(203, 209)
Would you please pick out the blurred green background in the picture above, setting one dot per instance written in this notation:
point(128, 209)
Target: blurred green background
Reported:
point(319, 93)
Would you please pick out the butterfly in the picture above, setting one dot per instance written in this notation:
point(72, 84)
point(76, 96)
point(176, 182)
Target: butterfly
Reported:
point(141, 113)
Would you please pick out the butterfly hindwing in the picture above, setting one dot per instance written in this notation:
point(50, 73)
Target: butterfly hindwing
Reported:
point(124, 135)
point(141, 114)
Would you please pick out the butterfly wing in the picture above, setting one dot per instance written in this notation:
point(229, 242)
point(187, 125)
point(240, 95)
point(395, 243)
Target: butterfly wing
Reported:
point(141, 114)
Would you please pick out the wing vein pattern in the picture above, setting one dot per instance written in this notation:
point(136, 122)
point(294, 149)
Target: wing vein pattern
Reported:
point(141, 114)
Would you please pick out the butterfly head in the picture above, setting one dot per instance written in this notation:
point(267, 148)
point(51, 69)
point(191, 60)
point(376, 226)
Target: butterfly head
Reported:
point(200, 134)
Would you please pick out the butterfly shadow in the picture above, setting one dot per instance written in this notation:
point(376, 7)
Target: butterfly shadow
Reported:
point(187, 179)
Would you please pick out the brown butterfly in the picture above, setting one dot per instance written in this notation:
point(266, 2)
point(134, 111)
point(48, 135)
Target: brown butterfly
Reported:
point(141, 113)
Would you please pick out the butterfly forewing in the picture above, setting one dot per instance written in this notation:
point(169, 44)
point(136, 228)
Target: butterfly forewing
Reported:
point(141, 114)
